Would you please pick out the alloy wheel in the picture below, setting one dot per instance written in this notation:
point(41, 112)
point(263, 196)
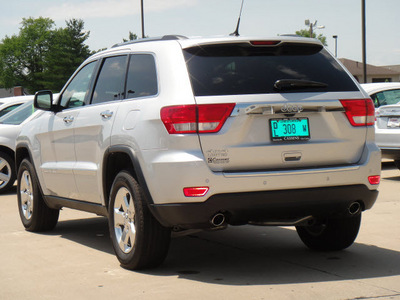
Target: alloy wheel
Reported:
point(124, 220)
point(26, 193)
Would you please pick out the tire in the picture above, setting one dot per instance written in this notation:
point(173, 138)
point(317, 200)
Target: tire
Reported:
point(35, 215)
point(7, 172)
point(336, 234)
point(139, 240)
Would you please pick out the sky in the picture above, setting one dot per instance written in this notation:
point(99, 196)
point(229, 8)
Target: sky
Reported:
point(109, 21)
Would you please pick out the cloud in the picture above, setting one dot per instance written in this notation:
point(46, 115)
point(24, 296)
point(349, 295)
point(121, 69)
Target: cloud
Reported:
point(109, 8)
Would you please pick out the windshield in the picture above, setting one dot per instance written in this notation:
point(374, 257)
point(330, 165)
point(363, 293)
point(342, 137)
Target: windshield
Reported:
point(234, 69)
point(18, 115)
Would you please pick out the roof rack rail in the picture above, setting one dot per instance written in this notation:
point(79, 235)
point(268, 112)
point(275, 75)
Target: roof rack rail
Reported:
point(162, 38)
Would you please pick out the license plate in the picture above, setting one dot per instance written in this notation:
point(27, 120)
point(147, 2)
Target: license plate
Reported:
point(393, 123)
point(290, 129)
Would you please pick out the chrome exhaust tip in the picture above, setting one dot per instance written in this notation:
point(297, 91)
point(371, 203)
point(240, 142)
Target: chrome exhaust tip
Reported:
point(354, 208)
point(218, 219)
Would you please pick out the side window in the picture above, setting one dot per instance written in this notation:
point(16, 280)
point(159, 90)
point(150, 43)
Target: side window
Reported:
point(110, 83)
point(142, 76)
point(76, 91)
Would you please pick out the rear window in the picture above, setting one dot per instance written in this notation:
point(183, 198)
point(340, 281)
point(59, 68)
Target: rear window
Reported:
point(388, 97)
point(240, 68)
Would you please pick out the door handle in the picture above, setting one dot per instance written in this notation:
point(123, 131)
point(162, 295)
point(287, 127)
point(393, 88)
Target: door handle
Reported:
point(68, 119)
point(106, 114)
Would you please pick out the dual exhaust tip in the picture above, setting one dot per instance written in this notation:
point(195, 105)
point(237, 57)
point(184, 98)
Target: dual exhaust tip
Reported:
point(219, 218)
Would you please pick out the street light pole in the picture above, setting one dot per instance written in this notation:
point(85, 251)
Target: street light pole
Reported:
point(335, 37)
point(364, 47)
point(142, 14)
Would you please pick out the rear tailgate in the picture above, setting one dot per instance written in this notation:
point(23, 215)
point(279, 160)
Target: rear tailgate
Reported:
point(246, 141)
point(288, 111)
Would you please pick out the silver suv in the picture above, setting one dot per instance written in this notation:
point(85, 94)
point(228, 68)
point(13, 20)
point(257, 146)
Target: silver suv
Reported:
point(171, 134)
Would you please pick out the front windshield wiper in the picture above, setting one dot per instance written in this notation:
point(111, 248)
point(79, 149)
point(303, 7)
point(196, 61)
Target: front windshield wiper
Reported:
point(294, 84)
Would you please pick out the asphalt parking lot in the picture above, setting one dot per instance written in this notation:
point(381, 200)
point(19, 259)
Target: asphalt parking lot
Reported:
point(76, 260)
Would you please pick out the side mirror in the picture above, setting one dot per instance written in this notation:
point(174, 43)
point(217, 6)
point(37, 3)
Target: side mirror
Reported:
point(44, 100)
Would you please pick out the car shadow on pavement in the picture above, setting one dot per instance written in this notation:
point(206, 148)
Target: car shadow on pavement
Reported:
point(394, 178)
point(271, 255)
point(247, 255)
point(91, 232)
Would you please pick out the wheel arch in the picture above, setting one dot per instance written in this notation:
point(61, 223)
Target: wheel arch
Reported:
point(8, 151)
point(119, 158)
point(21, 152)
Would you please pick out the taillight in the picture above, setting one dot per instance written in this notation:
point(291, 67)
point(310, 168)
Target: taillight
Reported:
point(204, 118)
point(360, 112)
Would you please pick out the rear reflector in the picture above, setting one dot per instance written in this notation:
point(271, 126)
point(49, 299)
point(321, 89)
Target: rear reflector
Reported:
point(195, 191)
point(204, 118)
point(359, 112)
point(374, 179)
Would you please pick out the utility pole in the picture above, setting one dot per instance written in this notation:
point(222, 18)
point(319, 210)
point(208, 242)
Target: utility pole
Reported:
point(142, 14)
point(364, 47)
point(312, 25)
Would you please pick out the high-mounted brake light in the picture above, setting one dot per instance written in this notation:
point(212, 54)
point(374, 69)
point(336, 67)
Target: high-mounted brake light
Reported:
point(360, 112)
point(195, 191)
point(264, 43)
point(204, 118)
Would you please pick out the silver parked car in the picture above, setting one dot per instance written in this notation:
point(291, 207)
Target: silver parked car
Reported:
point(174, 133)
point(386, 97)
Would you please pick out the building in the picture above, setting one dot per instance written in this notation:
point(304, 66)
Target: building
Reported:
point(16, 91)
point(395, 68)
point(374, 73)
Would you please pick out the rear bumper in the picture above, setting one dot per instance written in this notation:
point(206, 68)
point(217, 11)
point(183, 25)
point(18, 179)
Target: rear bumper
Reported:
point(267, 206)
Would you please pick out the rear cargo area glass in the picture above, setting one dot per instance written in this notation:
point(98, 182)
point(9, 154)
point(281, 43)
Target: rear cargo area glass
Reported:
point(241, 68)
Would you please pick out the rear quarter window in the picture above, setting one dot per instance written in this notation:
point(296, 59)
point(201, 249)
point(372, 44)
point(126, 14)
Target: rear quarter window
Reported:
point(241, 68)
point(142, 76)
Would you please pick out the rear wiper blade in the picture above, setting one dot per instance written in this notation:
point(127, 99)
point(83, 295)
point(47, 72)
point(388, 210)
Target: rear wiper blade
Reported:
point(293, 84)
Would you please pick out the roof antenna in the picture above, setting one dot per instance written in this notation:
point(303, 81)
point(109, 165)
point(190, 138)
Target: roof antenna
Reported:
point(236, 32)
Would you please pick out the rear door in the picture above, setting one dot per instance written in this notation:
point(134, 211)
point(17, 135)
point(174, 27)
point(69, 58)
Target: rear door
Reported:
point(288, 111)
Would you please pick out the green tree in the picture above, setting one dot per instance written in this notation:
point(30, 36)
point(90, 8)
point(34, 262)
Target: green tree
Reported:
point(132, 37)
point(21, 56)
point(42, 56)
point(306, 33)
point(68, 51)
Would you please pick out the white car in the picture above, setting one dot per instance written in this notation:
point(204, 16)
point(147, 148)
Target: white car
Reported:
point(10, 126)
point(10, 103)
point(386, 97)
